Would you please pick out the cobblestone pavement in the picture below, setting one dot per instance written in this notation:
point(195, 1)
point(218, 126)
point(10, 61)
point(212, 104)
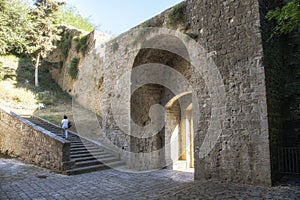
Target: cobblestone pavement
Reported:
point(24, 181)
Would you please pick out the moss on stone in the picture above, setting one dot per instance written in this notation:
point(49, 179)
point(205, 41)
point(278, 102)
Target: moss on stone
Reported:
point(177, 14)
point(73, 69)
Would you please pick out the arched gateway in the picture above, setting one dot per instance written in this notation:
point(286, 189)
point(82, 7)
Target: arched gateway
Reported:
point(190, 92)
point(175, 136)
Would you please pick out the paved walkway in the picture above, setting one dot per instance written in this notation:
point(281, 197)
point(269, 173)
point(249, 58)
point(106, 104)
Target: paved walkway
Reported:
point(23, 181)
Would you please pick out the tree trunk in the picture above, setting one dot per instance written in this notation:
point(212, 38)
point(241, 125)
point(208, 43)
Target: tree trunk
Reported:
point(36, 71)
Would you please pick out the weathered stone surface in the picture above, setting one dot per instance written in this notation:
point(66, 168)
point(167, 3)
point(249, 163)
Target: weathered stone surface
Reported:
point(221, 52)
point(21, 139)
point(21, 181)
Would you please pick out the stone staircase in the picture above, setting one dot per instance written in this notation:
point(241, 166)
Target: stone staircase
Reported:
point(86, 155)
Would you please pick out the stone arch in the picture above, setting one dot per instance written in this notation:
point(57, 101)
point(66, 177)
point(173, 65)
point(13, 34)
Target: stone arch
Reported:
point(179, 132)
point(204, 80)
point(168, 51)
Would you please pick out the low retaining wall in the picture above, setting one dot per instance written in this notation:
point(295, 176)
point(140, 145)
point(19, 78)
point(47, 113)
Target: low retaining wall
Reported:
point(22, 139)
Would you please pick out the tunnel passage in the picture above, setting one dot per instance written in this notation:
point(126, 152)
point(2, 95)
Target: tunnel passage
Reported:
point(178, 125)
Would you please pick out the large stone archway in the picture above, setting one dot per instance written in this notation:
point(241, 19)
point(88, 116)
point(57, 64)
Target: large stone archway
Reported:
point(151, 94)
point(226, 70)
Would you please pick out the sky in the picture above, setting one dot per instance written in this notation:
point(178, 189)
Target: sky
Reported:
point(117, 16)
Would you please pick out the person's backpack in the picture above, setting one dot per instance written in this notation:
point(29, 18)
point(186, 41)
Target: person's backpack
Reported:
point(69, 124)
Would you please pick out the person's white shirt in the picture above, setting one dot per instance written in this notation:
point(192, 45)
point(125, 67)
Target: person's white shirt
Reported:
point(64, 123)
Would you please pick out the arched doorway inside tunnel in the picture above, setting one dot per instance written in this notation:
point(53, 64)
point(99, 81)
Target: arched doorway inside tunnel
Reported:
point(179, 132)
point(175, 137)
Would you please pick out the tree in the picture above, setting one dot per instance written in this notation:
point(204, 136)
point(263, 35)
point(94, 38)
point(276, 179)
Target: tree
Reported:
point(14, 23)
point(287, 17)
point(43, 31)
point(68, 15)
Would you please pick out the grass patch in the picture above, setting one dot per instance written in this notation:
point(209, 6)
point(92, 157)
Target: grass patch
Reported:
point(22, 97)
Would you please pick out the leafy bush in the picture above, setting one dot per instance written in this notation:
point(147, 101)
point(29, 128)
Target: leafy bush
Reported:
point(73, 70)
point(15, 23)
point(287, 18)
point(1, 71)
point(65, 42)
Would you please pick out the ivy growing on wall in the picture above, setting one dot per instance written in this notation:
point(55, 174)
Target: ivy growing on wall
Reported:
point(82, 44)
point(65, 42)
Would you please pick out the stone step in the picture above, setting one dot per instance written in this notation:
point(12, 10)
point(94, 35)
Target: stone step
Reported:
point(85, 149)
point(88, 157)
point(91, 157)
point(87, 154)
point(86, 163)
point(81, 170)
point(88, 146)
point(77, 142)
point(107, 160)
point(118, 163)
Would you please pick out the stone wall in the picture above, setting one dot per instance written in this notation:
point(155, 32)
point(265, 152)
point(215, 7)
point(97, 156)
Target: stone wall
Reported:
point(230, 34)
point(222, 50)
point(86, 47)
point(21, 139)
point(231, 28)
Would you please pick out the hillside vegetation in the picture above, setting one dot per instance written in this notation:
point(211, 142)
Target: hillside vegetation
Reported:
point(18, 93)
point(28, 31)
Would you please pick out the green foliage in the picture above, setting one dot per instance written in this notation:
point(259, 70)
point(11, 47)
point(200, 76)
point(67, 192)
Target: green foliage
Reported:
point(43, 31)
point(177, 14)
point(73, 69)
point(193, 35)
point(14, 24)
point(2, 73)
point(82, 44)
point(65, 46)
point(68, 15)
point(8, 65)
point(60, 64)
point(65, 42)
point(6, 74)
point(46, 98)
point(287, 18)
